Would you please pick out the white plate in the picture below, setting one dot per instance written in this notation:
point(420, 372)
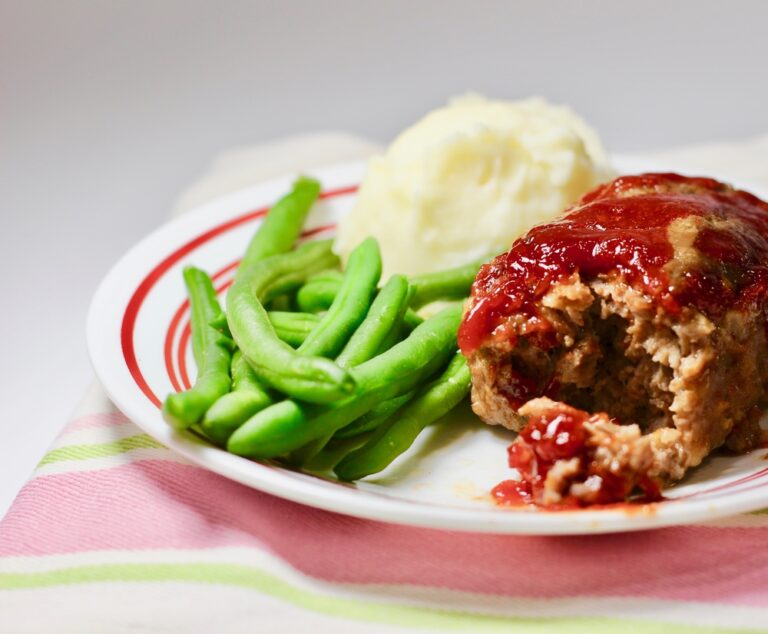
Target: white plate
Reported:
point(138, 340)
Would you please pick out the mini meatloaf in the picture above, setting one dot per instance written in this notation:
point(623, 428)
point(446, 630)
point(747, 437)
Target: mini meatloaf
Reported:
point(644, 303)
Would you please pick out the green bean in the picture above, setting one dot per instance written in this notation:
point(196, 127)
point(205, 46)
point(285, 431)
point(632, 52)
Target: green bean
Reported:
point(283, 223)
point(319, 292)
point(212, 352)
point(411, 319)
point(280, 304)
point(383, 318)
point(313, 379)
point(293, 328)
point(334, 276)
point(219, 322)
point(198, 429)
point(286, 426)
point(372, 419)
point(232, 410)
point(394, 336)
point(400, 368)
point(391, 440)
point(334, 451)
point(350, 305)
point(451, 284)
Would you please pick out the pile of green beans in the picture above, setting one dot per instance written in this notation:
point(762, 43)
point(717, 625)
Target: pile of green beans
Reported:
point(316, 366)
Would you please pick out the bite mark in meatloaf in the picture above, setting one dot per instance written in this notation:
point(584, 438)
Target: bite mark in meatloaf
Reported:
point(667, 340)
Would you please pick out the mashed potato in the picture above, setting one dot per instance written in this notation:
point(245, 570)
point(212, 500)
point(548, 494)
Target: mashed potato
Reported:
point(469, 178)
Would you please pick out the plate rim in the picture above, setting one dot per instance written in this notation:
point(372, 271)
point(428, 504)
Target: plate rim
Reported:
point(339, 497)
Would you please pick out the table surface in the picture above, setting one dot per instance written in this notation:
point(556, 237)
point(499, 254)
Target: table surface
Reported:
point(108, 110)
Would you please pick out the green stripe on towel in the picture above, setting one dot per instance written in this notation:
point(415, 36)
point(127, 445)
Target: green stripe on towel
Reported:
point(341, 607)
point(87, 452)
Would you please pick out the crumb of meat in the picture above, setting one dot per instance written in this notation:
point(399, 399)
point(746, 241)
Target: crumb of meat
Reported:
point(558, 482)
point(620, 450)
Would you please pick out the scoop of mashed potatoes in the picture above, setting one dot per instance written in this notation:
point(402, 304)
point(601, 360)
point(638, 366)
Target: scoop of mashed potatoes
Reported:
point(469, 178)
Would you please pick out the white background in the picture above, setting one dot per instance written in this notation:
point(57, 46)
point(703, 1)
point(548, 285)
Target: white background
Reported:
point(109, 108)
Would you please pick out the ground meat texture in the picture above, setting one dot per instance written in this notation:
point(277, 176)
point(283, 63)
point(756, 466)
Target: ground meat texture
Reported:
point(646, 302)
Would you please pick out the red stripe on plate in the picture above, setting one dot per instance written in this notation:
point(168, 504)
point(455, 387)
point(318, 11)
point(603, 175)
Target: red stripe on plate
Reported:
point(168, 346)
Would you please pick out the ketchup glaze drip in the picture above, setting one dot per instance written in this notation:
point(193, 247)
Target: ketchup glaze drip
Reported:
point(617, 229)
point(560, 434)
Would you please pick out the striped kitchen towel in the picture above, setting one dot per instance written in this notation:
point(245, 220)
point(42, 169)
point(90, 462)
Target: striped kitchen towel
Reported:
point(115, 533)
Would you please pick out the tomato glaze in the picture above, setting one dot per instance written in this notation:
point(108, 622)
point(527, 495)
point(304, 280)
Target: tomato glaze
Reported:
point(622, 227)
point(560, 434)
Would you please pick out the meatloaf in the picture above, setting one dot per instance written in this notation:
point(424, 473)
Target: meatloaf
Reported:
point(629, 336)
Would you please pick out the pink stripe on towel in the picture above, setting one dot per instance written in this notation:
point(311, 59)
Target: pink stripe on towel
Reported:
point(93, 421)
